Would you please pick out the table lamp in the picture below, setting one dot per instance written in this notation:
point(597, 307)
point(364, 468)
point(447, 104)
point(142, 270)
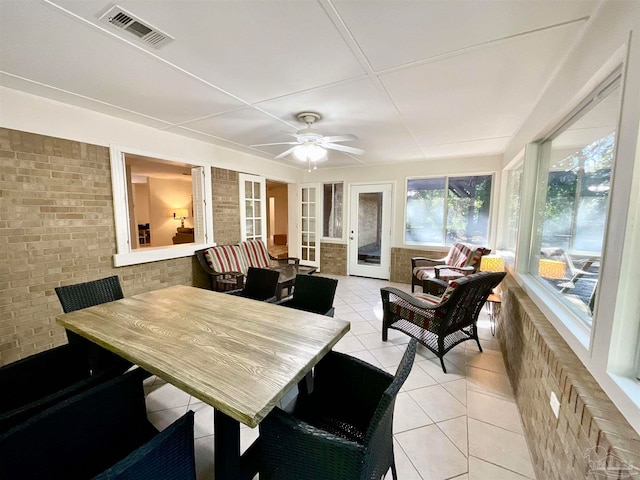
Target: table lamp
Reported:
point(551, 269)
point(181, 214)
point(491, 263)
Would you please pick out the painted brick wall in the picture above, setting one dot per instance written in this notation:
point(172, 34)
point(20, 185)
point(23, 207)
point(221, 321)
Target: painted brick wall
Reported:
point(226, 206)
point(57, 228)
point(333, 258)
point(590, 432)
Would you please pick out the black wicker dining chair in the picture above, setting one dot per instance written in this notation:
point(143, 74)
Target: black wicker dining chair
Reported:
point(442, 321)
point(260, 284)
point(86, 434)
point(342, 430)
point(85, 295)
point(312, 293)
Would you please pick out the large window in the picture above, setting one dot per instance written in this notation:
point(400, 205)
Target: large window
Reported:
point(446, 210)
point(332, 210)
point(574, 181)
point(160, 206)
point(511, 215)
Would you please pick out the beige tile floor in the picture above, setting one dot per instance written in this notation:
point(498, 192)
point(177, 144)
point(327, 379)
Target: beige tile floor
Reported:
point(462, 425)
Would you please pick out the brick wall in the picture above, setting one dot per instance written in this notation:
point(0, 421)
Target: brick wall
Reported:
point(226, 206)
point(401, 262)
point(333, 258)
point(589, 431)
point(57, 228)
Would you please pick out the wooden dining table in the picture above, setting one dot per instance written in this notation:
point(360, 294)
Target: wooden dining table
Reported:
point(238, 355)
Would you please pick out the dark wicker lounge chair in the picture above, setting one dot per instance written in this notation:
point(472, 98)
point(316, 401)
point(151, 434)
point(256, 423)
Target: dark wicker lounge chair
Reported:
point(312, 294)
point(83, 435)
point(342, 430)
point(439, 322)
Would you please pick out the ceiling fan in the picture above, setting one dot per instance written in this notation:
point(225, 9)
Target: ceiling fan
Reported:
point(310, 145)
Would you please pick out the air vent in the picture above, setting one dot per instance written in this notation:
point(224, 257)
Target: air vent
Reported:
point(120, 18)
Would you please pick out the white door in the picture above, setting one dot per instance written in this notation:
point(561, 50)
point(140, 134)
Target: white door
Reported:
point(253, 208)
point(370, 230)
point(309, 225)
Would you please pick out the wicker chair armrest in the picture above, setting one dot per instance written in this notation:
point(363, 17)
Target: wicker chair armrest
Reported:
point(292, 445)
point(414, 302)
point(464, 270)
point(426, 262)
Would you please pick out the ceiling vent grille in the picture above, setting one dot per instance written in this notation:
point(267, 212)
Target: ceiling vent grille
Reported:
point(120, 18)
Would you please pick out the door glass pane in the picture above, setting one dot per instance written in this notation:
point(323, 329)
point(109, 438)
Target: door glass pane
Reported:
point(256, 190)
point(249, 208)
point(248, 189)
point(249, 227)
point(257, 227)
point(305, 194)
point(369, 228)
point(305, 209)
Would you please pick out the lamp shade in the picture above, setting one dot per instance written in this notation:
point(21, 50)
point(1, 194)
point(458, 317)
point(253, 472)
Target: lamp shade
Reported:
point(491, 263)
point(180, 213)
point(551, 269)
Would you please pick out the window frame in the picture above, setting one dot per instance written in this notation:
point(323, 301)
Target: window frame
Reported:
point(445, 246)
point(125, 255)
point(341, 238)
point(517, 165)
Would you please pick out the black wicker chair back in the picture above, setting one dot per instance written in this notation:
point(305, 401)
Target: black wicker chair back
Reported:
point(441, 326)
point(260, 284)
point(342, 430)
point(312, 293)
point(81, 436)
point(85, 295)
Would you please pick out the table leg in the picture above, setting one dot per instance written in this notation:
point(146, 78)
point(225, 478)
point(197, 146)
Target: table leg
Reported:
point(228, 463)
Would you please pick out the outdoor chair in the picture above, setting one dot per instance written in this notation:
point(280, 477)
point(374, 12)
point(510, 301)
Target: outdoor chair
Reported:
point(255, 254)
point(462, 259)
point(33, 384)
point(343, 430)
point(85, 295)
point(442, 321)
point(84, 435)
point(312, 293)
point(224, 265)
point(261, 284)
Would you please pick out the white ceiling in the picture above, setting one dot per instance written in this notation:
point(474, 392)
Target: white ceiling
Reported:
point(413, 80)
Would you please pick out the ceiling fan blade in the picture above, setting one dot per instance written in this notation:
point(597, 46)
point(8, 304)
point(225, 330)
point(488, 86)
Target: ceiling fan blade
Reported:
point(287, 152)
point(340, 138)
point(344, 148)
point(267, 144)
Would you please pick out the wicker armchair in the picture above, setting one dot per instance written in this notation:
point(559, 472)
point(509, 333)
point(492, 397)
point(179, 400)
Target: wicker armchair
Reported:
point(81, 436)
point(224, 265)
point(312, 294)
point(37, 382)
point(342, 430)
point(261, 284)
point(439, 322)
point(85, 295)
point(462, 259)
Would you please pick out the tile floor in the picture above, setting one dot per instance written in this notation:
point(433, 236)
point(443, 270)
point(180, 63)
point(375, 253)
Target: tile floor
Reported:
point(462, 425)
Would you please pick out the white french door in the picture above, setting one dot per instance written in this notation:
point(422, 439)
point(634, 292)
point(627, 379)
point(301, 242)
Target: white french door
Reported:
point(370, 230)
point(253, 207)
point(309, 196)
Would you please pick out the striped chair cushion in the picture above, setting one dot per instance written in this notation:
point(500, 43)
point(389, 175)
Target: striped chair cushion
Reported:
point(255, 253)
point(460, 255)
point(226, 258)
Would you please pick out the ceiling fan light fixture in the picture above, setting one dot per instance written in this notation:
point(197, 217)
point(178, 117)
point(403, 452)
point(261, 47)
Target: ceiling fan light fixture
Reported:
point(309, 152)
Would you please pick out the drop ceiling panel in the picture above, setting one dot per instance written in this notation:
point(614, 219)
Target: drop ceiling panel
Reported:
point(479, 95)
point(253, 49)
point(73, 56)
point(400, 32)
point(467, 149)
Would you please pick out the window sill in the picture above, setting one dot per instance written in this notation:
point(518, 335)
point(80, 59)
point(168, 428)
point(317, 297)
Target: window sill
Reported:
point(155, 254)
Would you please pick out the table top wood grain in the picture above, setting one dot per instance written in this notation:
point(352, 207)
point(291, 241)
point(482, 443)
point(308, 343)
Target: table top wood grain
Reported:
point(239, 355)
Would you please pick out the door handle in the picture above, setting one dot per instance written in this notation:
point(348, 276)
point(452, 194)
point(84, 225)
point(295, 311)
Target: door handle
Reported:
point(351, 238)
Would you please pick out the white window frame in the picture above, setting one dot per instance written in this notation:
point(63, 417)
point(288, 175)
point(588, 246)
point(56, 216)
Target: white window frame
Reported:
point(444, 246)
point(125, 255)
point(341, 238)
point(502, 231)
